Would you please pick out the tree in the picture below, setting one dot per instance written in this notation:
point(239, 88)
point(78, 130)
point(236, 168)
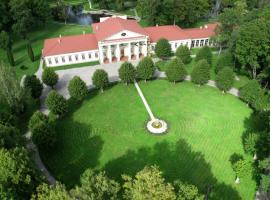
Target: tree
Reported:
point(96, 187)
point(204, 53)
point(224, 60)
point(261, 103)
point(163, 48)
point(56, 103)
point(6, 44)
point(201, 72)
point(265, 184)
point(30, 52)
point(175, 70)
point(9, 136)
point(77, 88)
point(43, 134)
point(225, 79)
point(127, 72)
point(251, 46)
point(146, 69)
point(100, 79)
point(49, 77)
point(186, 191)
point(148, 184)
point(11, 91)
point(17, 174)
point(33, 84)
point(249, 91)
point(51, 192)
point(250, 144)
point(183, 53)
point(241, 168)
point(36, 118)
point(62, 10)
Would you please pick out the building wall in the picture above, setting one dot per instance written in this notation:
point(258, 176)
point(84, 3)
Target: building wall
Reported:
point(72, 58)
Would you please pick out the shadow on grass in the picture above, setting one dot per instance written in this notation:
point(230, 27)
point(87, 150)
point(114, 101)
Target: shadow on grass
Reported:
point(74, 152)
point(176, 162)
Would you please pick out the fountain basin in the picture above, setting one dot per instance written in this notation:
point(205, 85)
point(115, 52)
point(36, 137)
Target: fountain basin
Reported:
point(157, 126)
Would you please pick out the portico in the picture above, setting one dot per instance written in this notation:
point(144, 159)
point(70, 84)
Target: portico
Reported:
point(112, 51)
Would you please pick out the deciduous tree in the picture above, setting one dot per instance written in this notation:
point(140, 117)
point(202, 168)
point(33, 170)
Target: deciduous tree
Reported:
point(56, 103)
point(127, 73)
point(49, 77)
point(100, 79)
point(225, 79)
point(175, 70)
point(146, 69)
point(183, 53)
point(201, 72)
point(77, 88)
point(204, 53)
point(163, 49)
point(33, 84)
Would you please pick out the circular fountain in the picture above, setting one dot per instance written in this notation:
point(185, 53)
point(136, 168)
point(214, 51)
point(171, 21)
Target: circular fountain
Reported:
point(157, 126)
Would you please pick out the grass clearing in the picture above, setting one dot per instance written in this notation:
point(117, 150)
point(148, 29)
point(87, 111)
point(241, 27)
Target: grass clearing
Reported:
point(108, 132)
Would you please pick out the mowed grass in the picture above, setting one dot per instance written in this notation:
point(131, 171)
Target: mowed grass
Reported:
point(37, 38)
point(107, 132)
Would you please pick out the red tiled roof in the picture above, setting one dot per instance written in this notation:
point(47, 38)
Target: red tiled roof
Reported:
point(171, 33)
point(70, 44)
point(196, 33)
point(114, 25)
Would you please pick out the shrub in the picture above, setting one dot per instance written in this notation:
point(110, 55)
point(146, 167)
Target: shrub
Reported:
point(56, 103)
point(33, 84)
point(175, 70)
point(225, 79)
point(250, 142)
point(100, 79)
point(163, 49)
point(146, 68)
point(204, 53)
point(36, 118)
point(49, 77)
point(261, 102)
point(201, 72)
point(224, 60)
point(43, 134)
point(10, 136)
point(242, 168)
point(250, 92)
point(183, 53)
point(77, 88)
point(127, 72)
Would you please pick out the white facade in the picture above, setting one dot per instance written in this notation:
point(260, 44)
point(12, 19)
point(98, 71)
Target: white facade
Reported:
point(72, 58)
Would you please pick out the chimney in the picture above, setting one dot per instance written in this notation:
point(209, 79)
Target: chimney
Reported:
point(59, 39)
point(156, 25)
point(205, 26)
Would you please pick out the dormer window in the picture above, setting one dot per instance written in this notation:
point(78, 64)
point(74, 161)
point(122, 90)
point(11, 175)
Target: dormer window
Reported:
point(123, 34)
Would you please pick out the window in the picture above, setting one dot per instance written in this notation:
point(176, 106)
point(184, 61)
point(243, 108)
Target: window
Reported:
point(192, 43)
point(175, 45)
point(83, 56)
point(153, 47)
point(56, 60)
point(63, 59)
point(206, 42)
point(96, 55)
point(201, 43)
point(50, 61)
point(70, 58)
point(89, 55)
point(76, 57)
point(197, 43)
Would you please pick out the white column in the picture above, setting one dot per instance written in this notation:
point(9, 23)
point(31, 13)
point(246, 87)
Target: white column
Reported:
point(144, 49)
point(101, 57)
point(109, 53)
point(129, 51)
point(136, 51)
point(118, 53)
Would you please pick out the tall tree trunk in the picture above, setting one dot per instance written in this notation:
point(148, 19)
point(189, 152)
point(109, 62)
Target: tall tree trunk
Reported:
point(254, 72)
point(220, 49)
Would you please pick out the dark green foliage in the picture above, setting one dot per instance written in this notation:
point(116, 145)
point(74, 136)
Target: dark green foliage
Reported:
point(250, 91)
point(43, 134)
point(10, 57)
point(183, 53)
point(225, 79)
point(175, 70)
point(33, 84)
point(224, 60)
point(265, 183)
point(146, 69)
point(8, 119)
point(96, 186)
point(204, 53)
point(49, 77)
point(127, 72)
point(77, 88)
point(201, 72)
point(100, 79)
point(6, 44)
point(17, 173)
point(242, 168)
point(261, 103)
point(30, 52)
point(9, 136)
point(250, 143)
point(163, 49)
point(51, 192)
point(56, 103)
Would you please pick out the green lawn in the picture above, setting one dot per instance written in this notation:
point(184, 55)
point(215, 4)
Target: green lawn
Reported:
point(86, 64)
point(37, 37)
point(108, 132)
